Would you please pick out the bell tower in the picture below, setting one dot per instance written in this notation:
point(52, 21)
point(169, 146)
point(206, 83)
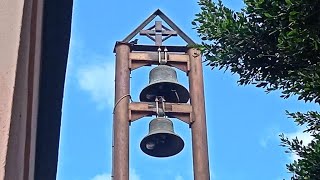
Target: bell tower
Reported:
point(164, 97)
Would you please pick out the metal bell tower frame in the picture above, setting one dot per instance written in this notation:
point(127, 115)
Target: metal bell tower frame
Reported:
point(130, 56)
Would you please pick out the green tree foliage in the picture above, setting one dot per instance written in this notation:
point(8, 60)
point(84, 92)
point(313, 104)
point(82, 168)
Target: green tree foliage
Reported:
point(308, 167)
point(275, 45)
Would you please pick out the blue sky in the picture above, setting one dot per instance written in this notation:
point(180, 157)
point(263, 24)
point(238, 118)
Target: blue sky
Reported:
point(243, 122)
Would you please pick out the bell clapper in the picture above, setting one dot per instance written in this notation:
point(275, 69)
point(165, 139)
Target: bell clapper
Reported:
point(177, 96)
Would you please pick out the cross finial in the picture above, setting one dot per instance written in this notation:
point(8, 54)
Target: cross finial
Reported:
point(158, 30)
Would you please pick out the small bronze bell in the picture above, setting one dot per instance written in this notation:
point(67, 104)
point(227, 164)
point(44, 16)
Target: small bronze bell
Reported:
point(161, 140)
point(163, 82)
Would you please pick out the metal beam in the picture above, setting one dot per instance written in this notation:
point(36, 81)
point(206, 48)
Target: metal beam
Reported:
point(183, 35)
point(139, 59)
point(198, 127)
point(140, 27)
point(138, 110)
point(120, 165)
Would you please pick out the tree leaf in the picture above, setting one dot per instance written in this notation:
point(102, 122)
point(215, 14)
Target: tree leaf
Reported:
point(288, 2)
point(267, 15)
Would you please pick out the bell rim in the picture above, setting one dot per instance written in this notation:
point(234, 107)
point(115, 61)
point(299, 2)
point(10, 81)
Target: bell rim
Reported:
point(182, 90)
point(178, 150)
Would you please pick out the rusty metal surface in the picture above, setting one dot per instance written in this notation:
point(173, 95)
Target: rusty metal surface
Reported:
point(120, 157)
point(140, 59)
point(198, 127)
point(182, 112)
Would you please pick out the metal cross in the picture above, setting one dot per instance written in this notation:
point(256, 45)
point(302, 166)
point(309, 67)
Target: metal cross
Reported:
point(158, 30)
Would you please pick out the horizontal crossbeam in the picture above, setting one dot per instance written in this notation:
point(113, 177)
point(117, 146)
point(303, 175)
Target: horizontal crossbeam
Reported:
point(182, 112)
point(139, 59)
point(163, 32)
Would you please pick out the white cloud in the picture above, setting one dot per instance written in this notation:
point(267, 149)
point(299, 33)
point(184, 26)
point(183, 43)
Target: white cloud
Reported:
point(132, 176)
point(305, 137)
point(179, 177)
point(98, 81)
point(271, 135)
point(94, 73)
point(265, 141)
point(102, 177)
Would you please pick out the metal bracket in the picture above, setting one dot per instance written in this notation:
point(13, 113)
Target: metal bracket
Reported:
point(165, 60)
point(160, 110)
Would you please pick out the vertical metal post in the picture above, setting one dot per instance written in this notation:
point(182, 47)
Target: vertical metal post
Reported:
point(158, 35)
point(198, 127)
point(120, 164)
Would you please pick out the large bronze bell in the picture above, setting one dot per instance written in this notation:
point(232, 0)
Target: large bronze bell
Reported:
point(163, 82)
point(161, 140)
